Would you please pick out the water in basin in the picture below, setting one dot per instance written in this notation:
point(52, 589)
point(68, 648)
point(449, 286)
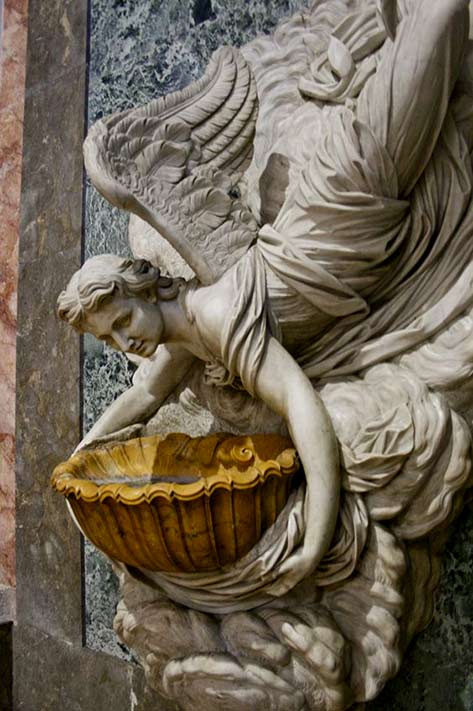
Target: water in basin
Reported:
point(148, 479)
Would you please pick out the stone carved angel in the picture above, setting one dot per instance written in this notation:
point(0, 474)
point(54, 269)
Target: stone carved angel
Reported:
point(318, 183)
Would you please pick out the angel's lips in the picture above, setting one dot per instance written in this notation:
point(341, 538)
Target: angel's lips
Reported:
point(144, 348)
point(137, 347)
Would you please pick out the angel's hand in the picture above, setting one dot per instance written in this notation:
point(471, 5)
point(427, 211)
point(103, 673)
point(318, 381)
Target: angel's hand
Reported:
point(294, 569)
point(125, 417)
point(120, 435)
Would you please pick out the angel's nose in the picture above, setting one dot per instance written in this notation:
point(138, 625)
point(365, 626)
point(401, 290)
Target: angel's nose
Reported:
point(122, 341)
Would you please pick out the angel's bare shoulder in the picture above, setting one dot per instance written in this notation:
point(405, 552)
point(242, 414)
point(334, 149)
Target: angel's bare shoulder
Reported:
point(213, 306)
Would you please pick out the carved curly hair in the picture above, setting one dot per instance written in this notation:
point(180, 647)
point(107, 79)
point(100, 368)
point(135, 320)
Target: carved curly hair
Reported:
point(107, 275)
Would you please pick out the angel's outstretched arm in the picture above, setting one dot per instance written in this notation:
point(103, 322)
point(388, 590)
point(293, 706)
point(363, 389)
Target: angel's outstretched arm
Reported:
point(287, 390)
point(169, 366)
point(405, 102)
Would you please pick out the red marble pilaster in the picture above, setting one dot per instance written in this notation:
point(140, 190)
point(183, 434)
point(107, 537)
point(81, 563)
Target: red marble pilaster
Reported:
point(12, 83)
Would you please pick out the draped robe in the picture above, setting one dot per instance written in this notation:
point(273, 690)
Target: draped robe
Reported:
point(370, 255)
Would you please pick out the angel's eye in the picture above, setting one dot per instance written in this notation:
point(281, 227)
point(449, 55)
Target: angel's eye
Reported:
point(123, 322)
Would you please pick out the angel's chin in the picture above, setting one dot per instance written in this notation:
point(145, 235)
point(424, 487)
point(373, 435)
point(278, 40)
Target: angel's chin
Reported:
point(149, 350)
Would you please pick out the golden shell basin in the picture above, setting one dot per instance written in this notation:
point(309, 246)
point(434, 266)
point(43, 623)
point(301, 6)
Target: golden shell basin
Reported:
point(179, 503)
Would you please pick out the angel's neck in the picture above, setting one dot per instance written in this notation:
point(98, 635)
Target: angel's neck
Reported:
point(180, 321)
point(176, 326)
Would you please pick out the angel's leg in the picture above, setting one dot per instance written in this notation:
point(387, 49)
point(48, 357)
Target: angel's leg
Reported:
point(405, 102)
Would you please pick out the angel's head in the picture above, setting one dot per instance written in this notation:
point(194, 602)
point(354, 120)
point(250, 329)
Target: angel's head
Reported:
point(116, 300)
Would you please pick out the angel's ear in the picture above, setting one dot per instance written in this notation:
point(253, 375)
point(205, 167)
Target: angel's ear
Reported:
point(150, 295)
point(169, 288)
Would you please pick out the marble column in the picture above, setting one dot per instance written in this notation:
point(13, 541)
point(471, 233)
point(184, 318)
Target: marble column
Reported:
point(12, 86)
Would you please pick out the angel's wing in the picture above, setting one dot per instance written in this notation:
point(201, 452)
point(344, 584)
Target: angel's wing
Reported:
point(175, 161)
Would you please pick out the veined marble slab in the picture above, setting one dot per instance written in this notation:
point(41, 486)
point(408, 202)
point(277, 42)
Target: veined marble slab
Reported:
point(13, 15)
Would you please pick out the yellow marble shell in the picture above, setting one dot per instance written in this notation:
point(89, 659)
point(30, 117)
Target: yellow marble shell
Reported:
point(238, 487)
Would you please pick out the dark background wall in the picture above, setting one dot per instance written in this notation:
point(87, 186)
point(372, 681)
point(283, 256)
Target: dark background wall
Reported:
point(6, 666)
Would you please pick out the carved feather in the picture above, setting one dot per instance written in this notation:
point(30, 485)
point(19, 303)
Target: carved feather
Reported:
point(164, 161)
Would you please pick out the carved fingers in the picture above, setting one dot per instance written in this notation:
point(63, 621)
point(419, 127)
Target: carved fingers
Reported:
point(118, 436)
point(294, 569)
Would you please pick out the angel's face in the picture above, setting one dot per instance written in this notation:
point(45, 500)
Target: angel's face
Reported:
point(127, 323)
